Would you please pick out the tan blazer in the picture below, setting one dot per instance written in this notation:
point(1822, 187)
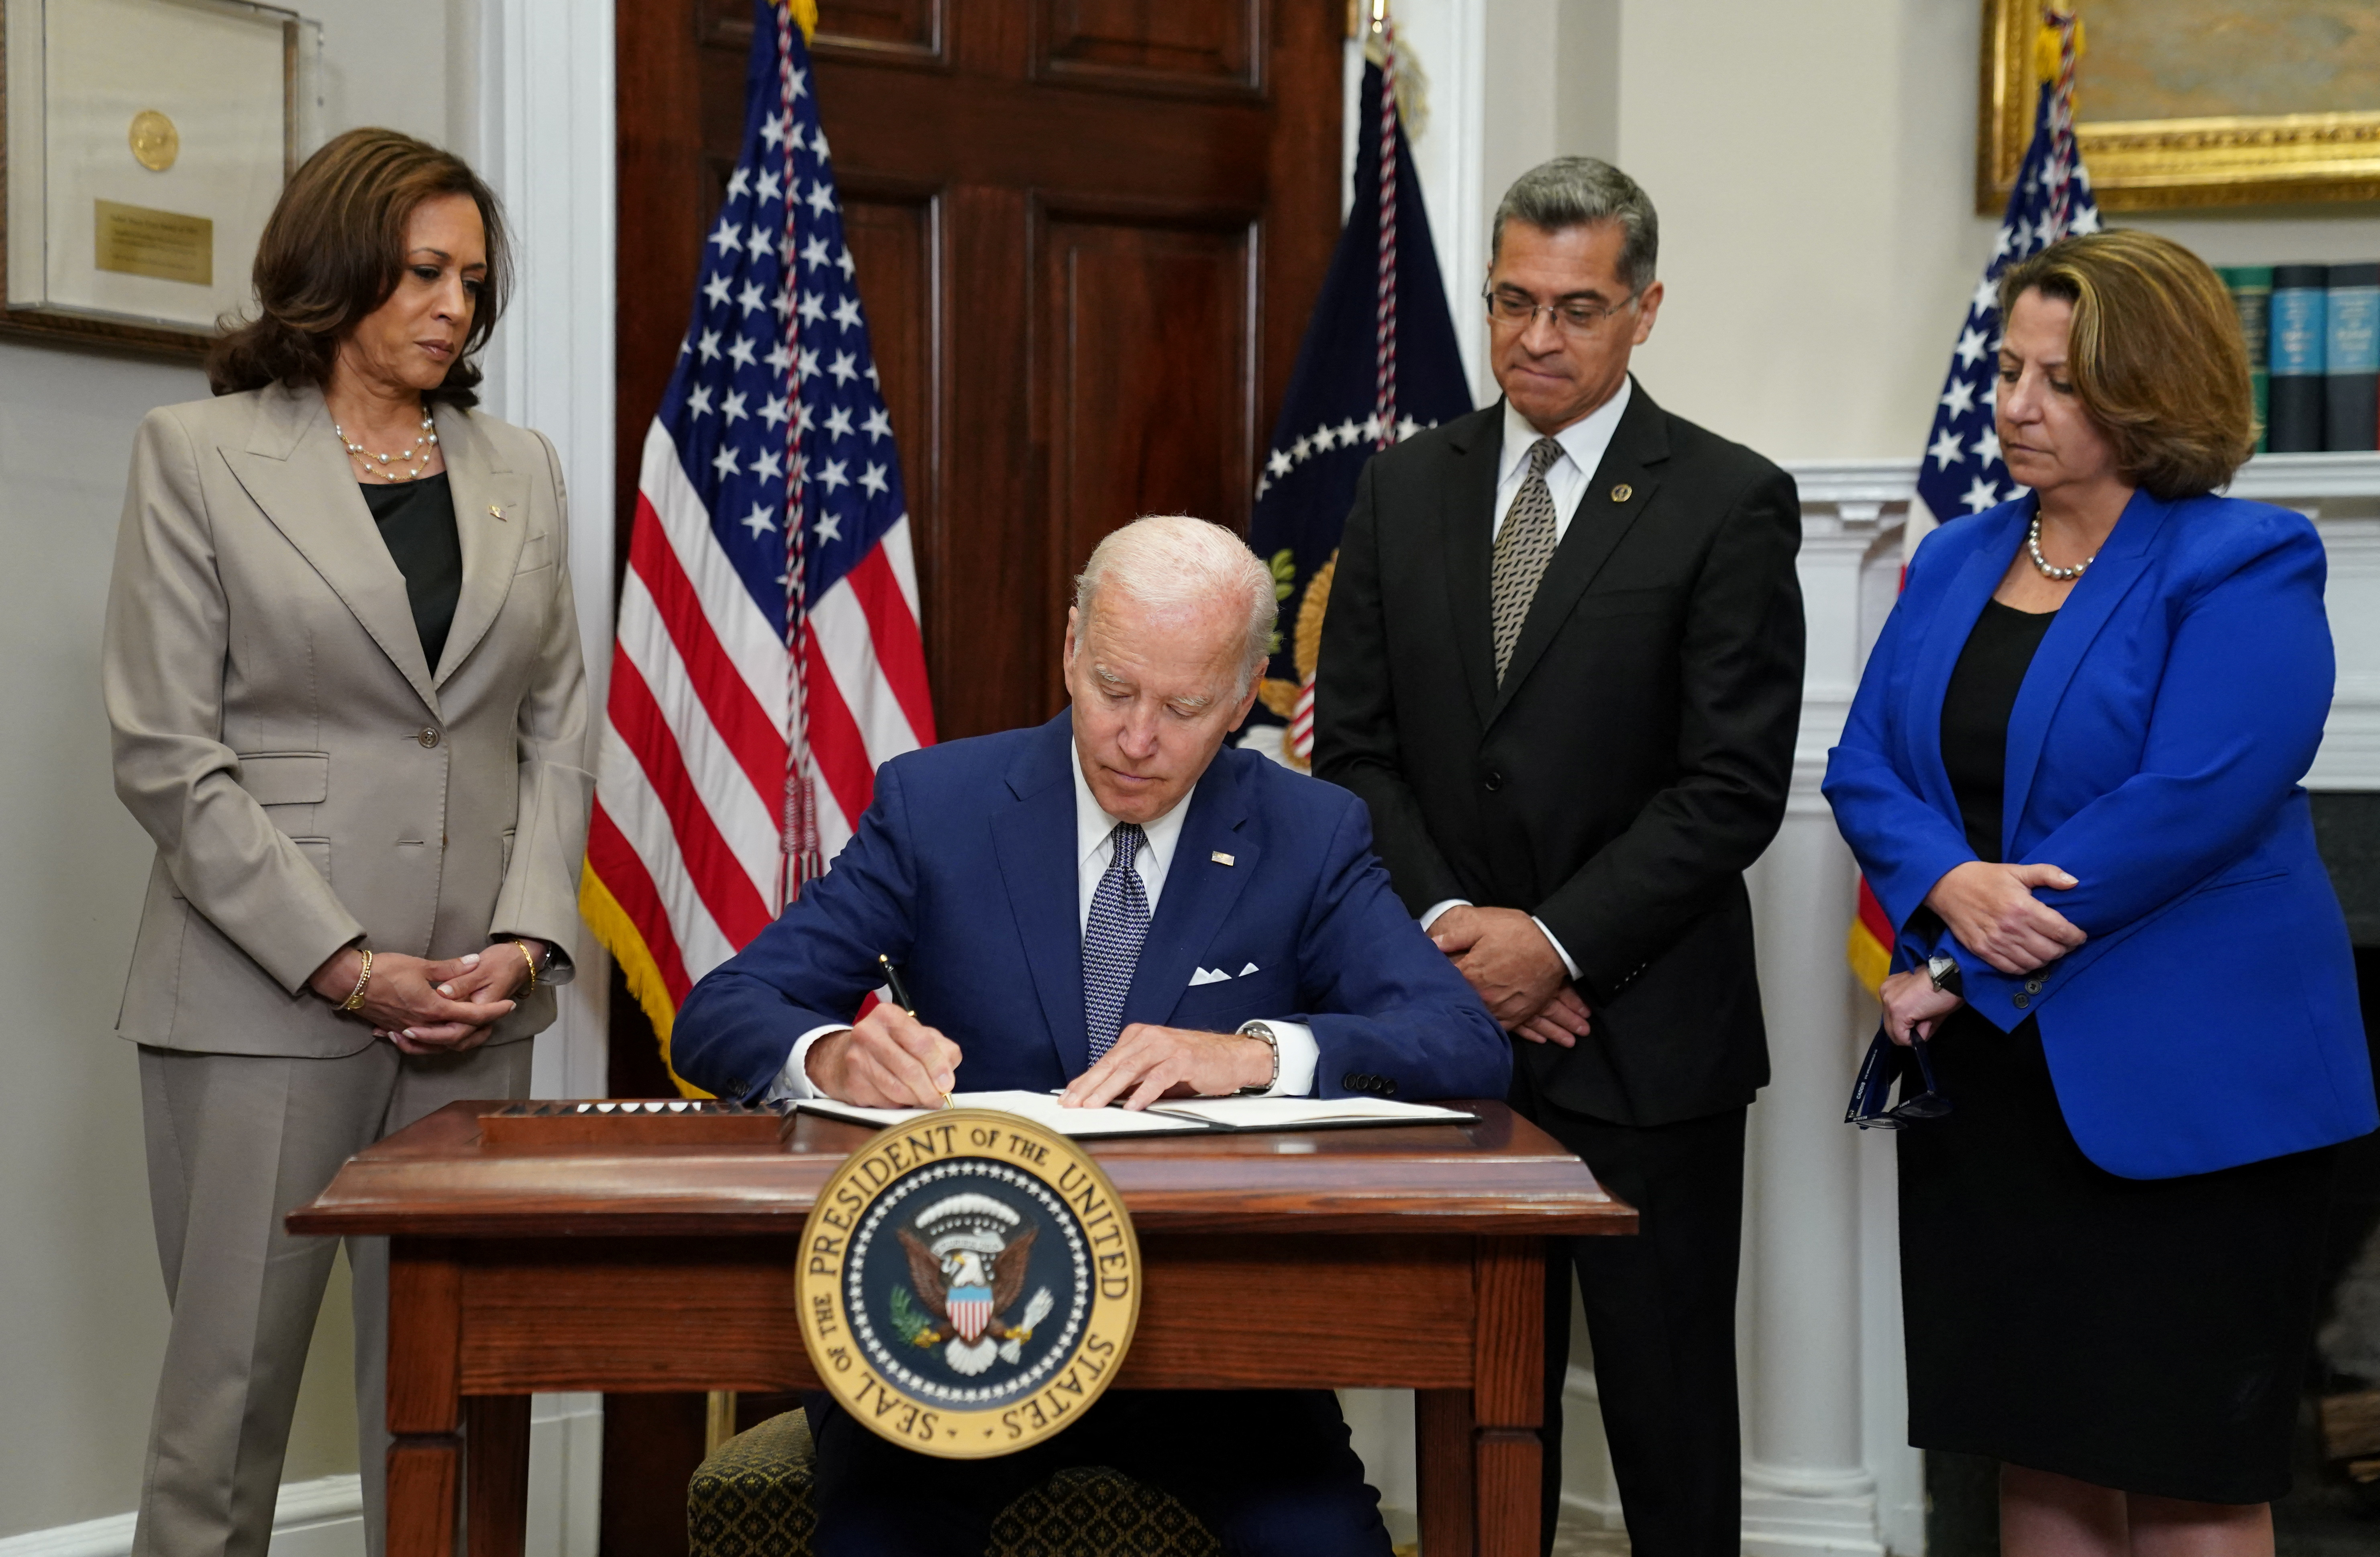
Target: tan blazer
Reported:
point(307, 776)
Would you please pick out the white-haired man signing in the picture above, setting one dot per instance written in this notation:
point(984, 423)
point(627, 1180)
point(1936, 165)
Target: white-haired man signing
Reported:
point(1111, 905)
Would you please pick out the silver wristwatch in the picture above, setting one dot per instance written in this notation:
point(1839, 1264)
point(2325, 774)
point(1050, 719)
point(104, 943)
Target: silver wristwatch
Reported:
point(1258, 1030)
point(1943, 969)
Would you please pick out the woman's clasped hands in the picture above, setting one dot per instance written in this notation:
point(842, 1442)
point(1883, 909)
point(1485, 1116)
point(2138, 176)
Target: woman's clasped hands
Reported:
point(424, 1007)
point(1993, 912)
point(1991, 909)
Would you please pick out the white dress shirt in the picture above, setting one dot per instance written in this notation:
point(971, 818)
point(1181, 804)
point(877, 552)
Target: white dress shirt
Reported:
point(1582, 446)
point(1095, 848)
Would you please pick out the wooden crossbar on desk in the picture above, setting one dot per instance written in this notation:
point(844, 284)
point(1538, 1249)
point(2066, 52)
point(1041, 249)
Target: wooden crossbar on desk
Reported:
point(1393, 1257)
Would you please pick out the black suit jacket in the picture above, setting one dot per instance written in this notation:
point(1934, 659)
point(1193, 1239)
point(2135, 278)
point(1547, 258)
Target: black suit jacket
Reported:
point(1633, 764)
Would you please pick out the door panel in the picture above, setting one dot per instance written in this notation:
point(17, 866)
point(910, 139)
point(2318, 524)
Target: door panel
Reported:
point(1148, 394)
point(1182, 46)
point(894, 243)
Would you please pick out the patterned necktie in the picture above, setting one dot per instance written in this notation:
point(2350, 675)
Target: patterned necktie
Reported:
point(1523, 547)
point(1111, 938)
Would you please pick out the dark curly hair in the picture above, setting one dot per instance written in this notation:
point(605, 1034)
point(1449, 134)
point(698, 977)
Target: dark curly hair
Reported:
point(332, 253)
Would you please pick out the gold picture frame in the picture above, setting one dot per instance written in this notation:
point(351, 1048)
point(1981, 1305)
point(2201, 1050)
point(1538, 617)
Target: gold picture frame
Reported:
point(2163, 164)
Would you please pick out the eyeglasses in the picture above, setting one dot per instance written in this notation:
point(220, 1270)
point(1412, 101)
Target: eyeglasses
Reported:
point(1886, 1062)
point(1573, 316)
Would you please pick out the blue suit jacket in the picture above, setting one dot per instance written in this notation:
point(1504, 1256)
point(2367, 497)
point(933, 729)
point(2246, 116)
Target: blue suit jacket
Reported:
point(2154, 753)
point(964, 871)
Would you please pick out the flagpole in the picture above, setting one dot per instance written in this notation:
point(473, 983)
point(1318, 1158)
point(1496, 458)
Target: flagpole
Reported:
point(2061, 120)
point(799, 847)
point(1384, 345)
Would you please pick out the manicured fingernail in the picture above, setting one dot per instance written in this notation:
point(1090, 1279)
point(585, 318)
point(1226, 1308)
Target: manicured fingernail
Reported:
point(470, 959)
point(408, 1032)
point(446, 989)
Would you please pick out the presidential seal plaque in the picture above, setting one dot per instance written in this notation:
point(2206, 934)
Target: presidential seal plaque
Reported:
point(968, 1284)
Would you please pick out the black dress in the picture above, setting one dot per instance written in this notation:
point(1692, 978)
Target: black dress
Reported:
point(2145, 1334)
point(417, 520)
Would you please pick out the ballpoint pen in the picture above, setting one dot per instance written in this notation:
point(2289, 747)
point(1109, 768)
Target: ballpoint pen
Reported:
point(901, 997)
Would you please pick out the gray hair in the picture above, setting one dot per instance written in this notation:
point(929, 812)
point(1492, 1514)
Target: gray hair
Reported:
point(1580, 191)
point(1173, 562)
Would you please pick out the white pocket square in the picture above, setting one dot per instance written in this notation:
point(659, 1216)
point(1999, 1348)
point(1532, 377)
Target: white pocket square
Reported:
point(1208, 976)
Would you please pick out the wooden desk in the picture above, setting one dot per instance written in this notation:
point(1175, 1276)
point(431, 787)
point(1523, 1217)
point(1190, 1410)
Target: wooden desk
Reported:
point(1399, 1258)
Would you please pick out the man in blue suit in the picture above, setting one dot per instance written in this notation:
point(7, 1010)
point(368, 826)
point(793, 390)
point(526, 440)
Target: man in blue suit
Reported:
point(1112, 904)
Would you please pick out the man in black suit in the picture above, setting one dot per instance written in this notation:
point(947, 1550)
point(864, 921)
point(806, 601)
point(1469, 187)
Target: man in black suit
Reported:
point(1563, 664)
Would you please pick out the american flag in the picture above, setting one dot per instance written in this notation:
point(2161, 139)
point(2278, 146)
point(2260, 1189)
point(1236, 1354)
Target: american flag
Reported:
point(768, 656)
point(1963, 472)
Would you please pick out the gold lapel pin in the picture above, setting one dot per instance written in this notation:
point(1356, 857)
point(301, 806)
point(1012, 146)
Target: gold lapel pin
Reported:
point(495, 511)
point(1220, 857)
point(1622, 493)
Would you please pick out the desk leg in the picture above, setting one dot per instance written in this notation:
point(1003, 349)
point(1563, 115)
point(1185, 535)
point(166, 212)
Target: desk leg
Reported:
point(425, 1402)
point(495, 1462)
point(1478, 1449)
point(1442, 1435)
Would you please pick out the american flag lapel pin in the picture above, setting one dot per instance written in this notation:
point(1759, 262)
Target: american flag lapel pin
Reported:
point(1220, 857)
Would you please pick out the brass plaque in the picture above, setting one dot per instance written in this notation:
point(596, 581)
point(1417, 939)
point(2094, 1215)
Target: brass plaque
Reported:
point(156, 142)
point(136, 240)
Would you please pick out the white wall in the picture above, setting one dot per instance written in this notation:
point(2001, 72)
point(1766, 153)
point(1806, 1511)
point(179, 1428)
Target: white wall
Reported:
point(82, 1307)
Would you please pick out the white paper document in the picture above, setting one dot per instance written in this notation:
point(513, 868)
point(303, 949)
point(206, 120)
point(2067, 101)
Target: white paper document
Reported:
point(1306, 1114)
point(1182, 1114)
point(1040, 1107)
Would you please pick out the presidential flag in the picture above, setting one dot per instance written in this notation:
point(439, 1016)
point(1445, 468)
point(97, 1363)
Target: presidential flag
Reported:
point(1963, 472)
point(768, 656)
point(1378, 364)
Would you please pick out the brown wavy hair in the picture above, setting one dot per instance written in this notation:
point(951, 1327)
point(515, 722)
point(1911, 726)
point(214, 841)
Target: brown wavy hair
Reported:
point(332, 253)
point(2155, 353)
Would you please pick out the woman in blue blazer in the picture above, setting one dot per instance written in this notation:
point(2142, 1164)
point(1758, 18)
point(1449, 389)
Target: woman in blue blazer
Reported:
point(2070, 776)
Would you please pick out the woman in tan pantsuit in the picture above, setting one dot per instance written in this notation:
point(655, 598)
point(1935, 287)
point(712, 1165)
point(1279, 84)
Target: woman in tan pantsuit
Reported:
point(342, 668)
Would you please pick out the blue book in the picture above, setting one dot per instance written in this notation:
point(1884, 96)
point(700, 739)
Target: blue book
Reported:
point(2299, 345)
point(2351, 359)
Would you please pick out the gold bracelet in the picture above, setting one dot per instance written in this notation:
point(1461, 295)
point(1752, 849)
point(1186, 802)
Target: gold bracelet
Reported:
point(355, 1001)
point(531, 960)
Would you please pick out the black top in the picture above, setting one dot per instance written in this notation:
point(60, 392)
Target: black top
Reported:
point(417, 520)
point(1975, 711)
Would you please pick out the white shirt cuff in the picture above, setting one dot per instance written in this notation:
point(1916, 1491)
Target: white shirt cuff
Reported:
point(794, 1081)
point(1429, 915)
point(1556, 945)
point(1299, 1057)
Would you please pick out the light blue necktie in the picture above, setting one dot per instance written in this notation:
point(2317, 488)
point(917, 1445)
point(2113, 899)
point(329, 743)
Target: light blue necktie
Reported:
point(1111, 938)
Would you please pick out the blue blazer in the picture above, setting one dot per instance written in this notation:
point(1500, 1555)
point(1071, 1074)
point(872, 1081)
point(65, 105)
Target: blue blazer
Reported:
point(2154, 753)
point(964, 871)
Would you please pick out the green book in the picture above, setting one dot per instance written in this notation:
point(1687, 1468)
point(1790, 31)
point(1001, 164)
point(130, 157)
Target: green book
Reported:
point(2251, 295)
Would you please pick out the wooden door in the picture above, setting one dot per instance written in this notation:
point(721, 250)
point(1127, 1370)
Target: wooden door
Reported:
point(1088, 233)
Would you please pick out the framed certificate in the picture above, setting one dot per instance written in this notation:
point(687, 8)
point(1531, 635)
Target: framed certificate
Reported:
point(145, 144)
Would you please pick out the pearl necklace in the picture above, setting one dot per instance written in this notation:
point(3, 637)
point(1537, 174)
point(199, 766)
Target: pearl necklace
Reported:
point(2032, 546)
point(418, 451)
